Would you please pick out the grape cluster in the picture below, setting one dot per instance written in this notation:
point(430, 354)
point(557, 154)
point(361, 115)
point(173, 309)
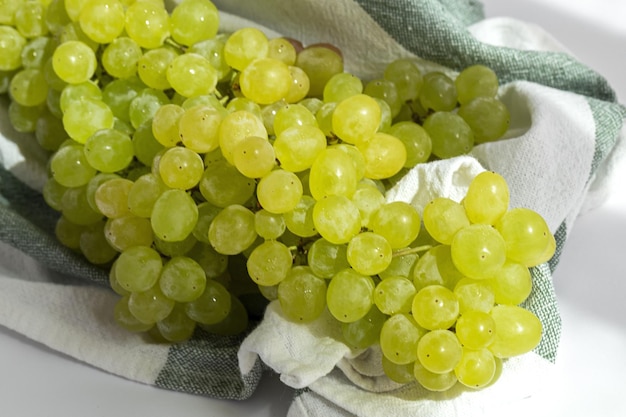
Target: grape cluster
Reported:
point(205, 168)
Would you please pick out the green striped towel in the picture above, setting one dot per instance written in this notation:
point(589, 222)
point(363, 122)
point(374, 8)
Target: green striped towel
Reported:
point(566, 131)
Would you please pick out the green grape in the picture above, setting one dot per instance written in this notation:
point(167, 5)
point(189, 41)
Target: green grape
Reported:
point(384, 155)
point(182, 279)
point(476, 81)
point(53, 80)
point(121, 57)
point(406, 76)
point(137, 268)
point(11, 44)
point(69, 166)
point(83, 118)
point(244, 46)
point(127, 231)
point(324, 117)
point(235, 322)
point(165, 125)
point(237, 126)
point(292, 115)
point(281, 49)
point(222, 185)
point(387, 91)
point(74, 7)
point(512, 284)
point(119, 94)
point(302, 295)
point(254, 157)
point(29, 87)
point(74, 62)
point(243, 103)
point(350, 295)
point(269, 225)
point(488, 118)
point(299, 221)
point(197, 128)
point(265, 80)
point(438, 93)
point(399, 338)
point(125, 319)
point(269, 263)
point(475, 329)
point(232, 230)
point(416, 141)
point(213, 50)
point(326, 259)
point(76, 207)
point(368, 199)
point(143, 107)
point(435, 307)
point(147, 23)
point(76, 92)
point(213, 263)
point(111, 197)
point(436, 382)
point(29, 19)
point(212, 306)
point(477, 368)
point(68, 233)
point(177, 326)
point(37, 51)
point(320, 62)
point(114, 284)
point(150, 306)
point(102, 20)
point(518, 331)
point(73, 32)
point(369, 253)
point(210, 100)
point(94, 246)
point(337, 219)
point(56, 15)
point(145, 145)
point(194, 21)
point(300, 85)
point(52, 193)
point(487, 198)
point(439, 351)
point(400, 373)
point(191, 75)
point(7, 11)
point(527, 236)
point(401, 266)
point(174, 215)
point(279, 191)
point(474, 295)
point(398, 222)
point(358, 160)
point(180, 167)
point(356, 119)
point(478, 251)
point(333, 173)
point(206, 214)
point(341, 86)
point(364, 332)
point(24, 118)
point(152, 67)
point(450, 135)
point(297, 147)
point(443, 217)
point(109, 150)
point(394, 295)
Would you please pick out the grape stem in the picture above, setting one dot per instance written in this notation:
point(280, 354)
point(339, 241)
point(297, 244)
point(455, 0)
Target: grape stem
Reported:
point(408, 251)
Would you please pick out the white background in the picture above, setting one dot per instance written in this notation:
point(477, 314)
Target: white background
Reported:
point(590, 283)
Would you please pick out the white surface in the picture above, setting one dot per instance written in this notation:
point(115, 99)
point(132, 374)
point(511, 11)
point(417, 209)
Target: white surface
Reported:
point(590, 282)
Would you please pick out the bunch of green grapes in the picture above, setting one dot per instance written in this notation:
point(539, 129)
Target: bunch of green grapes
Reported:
point(209, 170)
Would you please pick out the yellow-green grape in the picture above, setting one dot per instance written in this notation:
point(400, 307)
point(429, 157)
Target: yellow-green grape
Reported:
point(77, 203)
point(29, 19)
point(174, 215)
point(283, 50)
point(443, 217)
point(237, 126)
point(476, 81)
point(512, 284)
point(527, 236)
point(268, 114)
point(68, 233)
point(394, 295)
point(265, 80)
point(182, 279)
point(120, 57)
point(399, 338)
point(191, 75)
point(212, 306)
point(269, 263)
point(387, 91)
point(126, 320)
point(94, 246)
point(29, 87)
point(53, 80)
point(244, 46)
point(11, 44)
point(326, 259)
point(83, 118)
point(102, 20)
point(181, 167)
point(299, 221)
point(254, 157)
point(300, 85)
point(213, 50)
point(137, 268)
point(369, 253)
point(450, 135)
point(416, 141)
point(279, 191)
point(333, 173)
point(73, 32)
point(474, 295)
point(37, 51)
point(401, 266)
point(324, 117)
point(350, 295)
point(477, 368)
point(243, 103)
point(76, 92)
point(341, 86)
point(152, 67)
point(384, 155)
point(194, 21)
point(337, 219)
point(438, 92)
point(435, 307)
point(7, 11)
point(111, 197)
point(400, 373)
point(73, 8)
point(143, 107)
point(356, 119)
point(197, 128)
point(292, 115)
point(109, 150)
point(488, 117)
point(177, 326)
point(487, 198)
point(128, 231)
point(320, 62)
point(439, 351)
point(355, 155)
point(364, 332)
point(475, 329)
point(69, 166)
point(232, 230)
point(147, 23)
point(213, 263)
point(398, 222)
point(24, 118)
point(147, 148)
point(206, 214)
point(302, 295)
point(269, 225)
point(478, 251)
point(222, 185)
point(114, 284)
point(56, 15)
point(432, 381)
point(74, 62)
point(119, 93)
point(52, 193)
point(234, 323)
point(406, 76)
point(368, 199)
point(518, 331)
point(165, 125)
point(297, 147)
